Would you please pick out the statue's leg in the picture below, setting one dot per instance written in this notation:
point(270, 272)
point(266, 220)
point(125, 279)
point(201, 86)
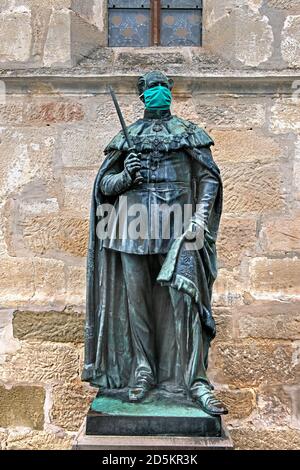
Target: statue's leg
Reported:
point(193, 345)
point(191, 339)
point(138, 281)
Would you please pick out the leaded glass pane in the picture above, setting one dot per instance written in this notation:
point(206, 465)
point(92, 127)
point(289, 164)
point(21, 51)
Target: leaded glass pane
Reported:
point(129, 26)
point(181, 27)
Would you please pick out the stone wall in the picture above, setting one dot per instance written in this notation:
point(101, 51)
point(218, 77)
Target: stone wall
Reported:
point(55, 120)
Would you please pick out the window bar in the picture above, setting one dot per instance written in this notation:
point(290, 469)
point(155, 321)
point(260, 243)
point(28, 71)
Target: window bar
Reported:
point(155, 22)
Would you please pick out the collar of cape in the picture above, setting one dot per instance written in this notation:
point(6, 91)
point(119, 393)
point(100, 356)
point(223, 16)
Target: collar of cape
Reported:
point(165, 134)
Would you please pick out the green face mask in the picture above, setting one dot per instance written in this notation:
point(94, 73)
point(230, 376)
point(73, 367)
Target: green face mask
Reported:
point(158, 97)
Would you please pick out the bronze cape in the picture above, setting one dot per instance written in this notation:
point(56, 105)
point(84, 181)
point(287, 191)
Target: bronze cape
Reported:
point(109, 360)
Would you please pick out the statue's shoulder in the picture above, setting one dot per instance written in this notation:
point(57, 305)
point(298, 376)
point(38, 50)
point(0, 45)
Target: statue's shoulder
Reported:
point(195, 132)
point(118, 142)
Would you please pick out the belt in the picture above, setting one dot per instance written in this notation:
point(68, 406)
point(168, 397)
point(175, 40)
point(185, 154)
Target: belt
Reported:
point(161, 186)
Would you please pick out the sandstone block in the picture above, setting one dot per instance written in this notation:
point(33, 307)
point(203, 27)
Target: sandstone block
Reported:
point(281, 234)
point(22, 406)
point(237, 238)
point(83, 146)
point(26, 161)
point(290, 46)
point(76, 285)
point(70, 405)
point(252, 187)
point(8, 345)
point(296, 180)
point(244, 146)
point(240, 403)
point(78, 187)
point(17, 280)
point(3, 438)
point(253, 363)
point(229, 113)
point(11, 112)
point(42, 112)
point(60, 327)
point(285, 116)
point(15, 28)
point(252, 438)
point(280, 276)
point(284, 4)
point(253, 28)
point(42, 362)
point(274, 407)
point(224, 324)
point(269, 320)
point(58, 234)
point(38, 440)
point(228, 288)
point(57, 50)
point(239, 32)
point(49, 280)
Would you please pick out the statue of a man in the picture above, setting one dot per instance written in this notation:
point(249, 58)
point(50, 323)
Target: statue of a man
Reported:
point(149, 319)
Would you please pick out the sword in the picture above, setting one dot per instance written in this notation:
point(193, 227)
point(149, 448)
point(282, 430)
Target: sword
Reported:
point(138, 176)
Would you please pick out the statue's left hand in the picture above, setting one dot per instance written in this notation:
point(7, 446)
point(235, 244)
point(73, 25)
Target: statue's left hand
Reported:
point(195, 233)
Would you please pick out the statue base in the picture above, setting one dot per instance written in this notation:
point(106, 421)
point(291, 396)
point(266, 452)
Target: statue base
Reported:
point(161, 421)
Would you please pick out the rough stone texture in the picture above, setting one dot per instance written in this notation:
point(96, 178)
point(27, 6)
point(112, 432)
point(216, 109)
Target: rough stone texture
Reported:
point(62, 327)
point(8, 344)
point(228, 288)
point(284, 4)
point(252, 188)
point(240, 403)
point(237, 239)
point(58, 234)
point(229, 113)
point(22, 406)
point(254, 38)
point(15, 28)
point(274, 407)
point(57, 50)
point(238, 31)
point(281, 234)
point(244, 146)
point(270, 320)
point(78, 185)
point(51, 112)
point(76, 282)
point(83, 146)
point(280, 276)
point(31, 280)
point(252, 363)
point(41, 362)
point(253, 439)
point(34, 440)
point(285, 116)
point(26, 163)
point(70, 405)
point(290, 46)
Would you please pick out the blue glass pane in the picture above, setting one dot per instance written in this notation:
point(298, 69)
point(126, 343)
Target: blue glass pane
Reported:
point(129, 27)
point(181, 27)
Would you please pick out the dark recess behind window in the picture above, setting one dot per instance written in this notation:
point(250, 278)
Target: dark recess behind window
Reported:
point(139, 23)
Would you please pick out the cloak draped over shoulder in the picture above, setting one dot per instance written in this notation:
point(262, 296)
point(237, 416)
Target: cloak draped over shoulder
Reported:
point(108, 348)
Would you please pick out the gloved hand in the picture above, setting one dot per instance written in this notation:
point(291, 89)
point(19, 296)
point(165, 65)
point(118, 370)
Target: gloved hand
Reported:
point(132, 163)
point(195, 233)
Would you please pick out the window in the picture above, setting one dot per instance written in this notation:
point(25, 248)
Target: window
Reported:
point(142, 23)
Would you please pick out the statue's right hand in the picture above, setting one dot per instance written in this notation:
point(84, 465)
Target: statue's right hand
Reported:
point(132, 163)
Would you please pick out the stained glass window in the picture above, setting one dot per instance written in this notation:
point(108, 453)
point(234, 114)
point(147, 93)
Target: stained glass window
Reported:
point(142, 23)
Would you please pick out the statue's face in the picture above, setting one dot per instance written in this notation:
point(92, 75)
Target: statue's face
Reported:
point(156, 79)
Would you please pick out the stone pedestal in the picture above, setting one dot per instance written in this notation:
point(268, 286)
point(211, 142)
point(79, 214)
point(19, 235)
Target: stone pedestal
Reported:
point(161, 421)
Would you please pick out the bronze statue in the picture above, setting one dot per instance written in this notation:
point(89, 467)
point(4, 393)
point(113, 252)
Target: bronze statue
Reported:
point(149, 320)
